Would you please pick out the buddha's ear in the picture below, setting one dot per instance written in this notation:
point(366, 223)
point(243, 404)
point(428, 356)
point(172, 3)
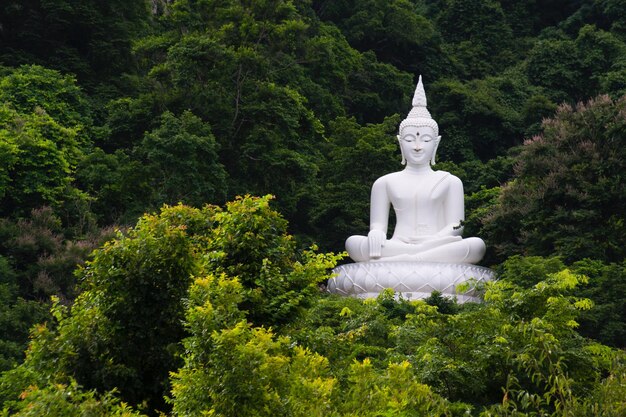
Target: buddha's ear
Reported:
point(403, 162)
point(432, 159)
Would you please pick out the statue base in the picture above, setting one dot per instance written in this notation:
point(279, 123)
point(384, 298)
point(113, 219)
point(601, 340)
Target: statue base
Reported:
point(414, 280)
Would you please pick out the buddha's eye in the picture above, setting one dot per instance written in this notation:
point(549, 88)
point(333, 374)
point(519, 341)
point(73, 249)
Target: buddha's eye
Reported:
point(427, 138)
point(409, 138)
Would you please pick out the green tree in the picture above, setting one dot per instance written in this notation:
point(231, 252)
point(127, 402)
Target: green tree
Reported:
point(606, 322)
point(605, 288)
point(398, 32)
point(90, 39)
point(223, 351)
point(266, 77)
point(250, 241)
point(122, 331)
point(568, 190)
point(17, 315)
point(357, 156)
point(178, 163)
point(45, 129)
point(42, 258)
point(69, 400)
point(478, 36)
point(480, 119)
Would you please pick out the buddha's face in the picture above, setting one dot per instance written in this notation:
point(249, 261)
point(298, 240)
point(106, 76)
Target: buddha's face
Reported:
point(418, 144)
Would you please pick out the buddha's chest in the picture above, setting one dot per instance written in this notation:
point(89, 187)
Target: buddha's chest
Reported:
point(418, 193)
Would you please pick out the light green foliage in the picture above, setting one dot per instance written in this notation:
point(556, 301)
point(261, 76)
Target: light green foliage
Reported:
point(395, 391)
point(603, 288)
point(524, 335)
point(327, 355)
point(521, 340)
point(250, 241)
point(233, 369)
point(527, 271)
point(61, 400)
point(44, 124)
point(124, 329)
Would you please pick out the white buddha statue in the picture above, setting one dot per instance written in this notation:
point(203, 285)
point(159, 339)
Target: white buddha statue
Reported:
point(428, 204)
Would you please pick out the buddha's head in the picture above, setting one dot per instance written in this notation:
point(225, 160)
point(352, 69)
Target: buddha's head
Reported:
point(419, 130)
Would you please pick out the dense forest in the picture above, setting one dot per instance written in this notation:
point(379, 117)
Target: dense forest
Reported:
point(177, 179)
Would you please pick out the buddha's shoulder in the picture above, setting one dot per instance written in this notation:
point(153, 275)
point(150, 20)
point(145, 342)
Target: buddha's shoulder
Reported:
point(438, 176)
point(445, 175)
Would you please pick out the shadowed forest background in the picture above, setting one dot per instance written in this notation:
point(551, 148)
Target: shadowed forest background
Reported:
point(176, 177)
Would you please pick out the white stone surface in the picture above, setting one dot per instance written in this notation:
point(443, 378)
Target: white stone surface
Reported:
point(414, 280)
point(427, 251)
point(429, 205)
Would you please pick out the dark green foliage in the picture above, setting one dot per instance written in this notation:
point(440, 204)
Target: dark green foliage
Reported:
point(131, 306)
point(178, 163)
point(396, 31)
point(202, 100)
point(113, 180)
point(88, 38)
point(358, 156)
point(605, 322)
point(480, 119)
point(17, 315)
point(478, 36)
point(568, 193)
point(42, 258)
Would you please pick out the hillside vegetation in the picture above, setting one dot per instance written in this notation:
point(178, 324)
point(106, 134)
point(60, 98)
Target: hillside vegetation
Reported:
point(177, 179)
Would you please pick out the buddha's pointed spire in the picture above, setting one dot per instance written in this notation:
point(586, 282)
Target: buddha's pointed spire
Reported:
point(419, 109)
point(419, 98)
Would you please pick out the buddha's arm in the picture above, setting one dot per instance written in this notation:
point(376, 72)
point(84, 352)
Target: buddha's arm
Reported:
point(454, 209)
point(379, 217)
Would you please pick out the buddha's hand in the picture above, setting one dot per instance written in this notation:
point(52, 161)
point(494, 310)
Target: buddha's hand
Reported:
point(375, 239)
